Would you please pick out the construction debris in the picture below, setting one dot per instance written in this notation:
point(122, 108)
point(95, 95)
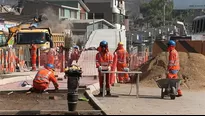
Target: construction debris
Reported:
point(192, 70)
point(53, 97)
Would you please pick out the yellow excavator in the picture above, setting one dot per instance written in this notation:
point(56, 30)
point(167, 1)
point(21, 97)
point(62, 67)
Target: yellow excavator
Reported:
point(27, 34)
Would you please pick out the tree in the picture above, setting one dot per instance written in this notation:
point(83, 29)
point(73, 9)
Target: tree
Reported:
point(153, 12)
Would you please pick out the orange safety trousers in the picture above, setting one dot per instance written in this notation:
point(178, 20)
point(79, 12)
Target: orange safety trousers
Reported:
point(104, 59)
point(33, 56)
point(122, 63)
point(51, 57)
point(101, 79)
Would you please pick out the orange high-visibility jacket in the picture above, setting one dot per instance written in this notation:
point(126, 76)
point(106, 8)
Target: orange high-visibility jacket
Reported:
point(43, 78)
point(104, 59)
point(122, 56)
point(75, 55)
point(173, 60)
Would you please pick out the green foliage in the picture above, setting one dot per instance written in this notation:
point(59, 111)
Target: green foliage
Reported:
point(153, 12)
point(68, 42)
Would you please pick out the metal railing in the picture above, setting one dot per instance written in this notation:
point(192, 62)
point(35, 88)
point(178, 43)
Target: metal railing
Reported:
point(122, 72)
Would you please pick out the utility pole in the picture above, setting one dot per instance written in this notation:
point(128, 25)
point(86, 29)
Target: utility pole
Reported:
point(164, 13)
point(93, 21)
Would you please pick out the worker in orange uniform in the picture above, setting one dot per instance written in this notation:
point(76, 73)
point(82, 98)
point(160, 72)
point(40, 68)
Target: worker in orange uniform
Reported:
point(51, 56)
point(104, 61)
point(33, 56)
point(173, 64)
point(75, 54)
point(43, 78)
point(122, 63)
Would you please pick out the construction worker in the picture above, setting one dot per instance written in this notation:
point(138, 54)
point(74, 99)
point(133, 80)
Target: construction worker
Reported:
point(43, 78)
point(75, 54)
point(122, 63)
point(51, 56)
point(103, 63)
point(33, 56)
point(173, 64)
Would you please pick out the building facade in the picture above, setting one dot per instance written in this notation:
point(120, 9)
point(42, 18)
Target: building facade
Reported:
point(73, 9)
point(110, 10)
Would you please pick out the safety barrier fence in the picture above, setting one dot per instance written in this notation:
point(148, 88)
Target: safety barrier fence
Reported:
point(20, 57)
point(137, 59)
point(55, 57)
point(197, 46)
point(8, 60)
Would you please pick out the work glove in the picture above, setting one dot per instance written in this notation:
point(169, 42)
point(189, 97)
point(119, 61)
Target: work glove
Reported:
point(126, 69)
point(100, 68)
point(109, 68)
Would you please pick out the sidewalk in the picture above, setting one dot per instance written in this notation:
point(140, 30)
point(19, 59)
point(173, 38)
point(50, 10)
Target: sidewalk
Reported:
point(150, 102)
point(15, 82)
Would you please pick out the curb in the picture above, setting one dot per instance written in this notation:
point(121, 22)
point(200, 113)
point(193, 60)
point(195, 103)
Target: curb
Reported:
point(49, 112)
point(89, 90)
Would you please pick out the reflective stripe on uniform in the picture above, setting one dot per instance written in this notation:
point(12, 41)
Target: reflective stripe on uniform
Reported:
point(43, 78)
point(173, 63)
point(122, 60)
point(104, 63)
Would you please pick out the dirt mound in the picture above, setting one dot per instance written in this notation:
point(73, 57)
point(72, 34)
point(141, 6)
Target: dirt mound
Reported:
point(192, 70)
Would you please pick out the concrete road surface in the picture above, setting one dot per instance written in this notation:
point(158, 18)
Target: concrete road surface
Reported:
point(150, 103)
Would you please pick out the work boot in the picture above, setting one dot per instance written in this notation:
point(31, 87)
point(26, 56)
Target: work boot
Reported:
point(179, 93)
point(108, 93)
point(100, 94)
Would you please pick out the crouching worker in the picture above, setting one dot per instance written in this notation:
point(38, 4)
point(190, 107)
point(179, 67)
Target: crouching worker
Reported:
point(42, 79)
point(103, 63)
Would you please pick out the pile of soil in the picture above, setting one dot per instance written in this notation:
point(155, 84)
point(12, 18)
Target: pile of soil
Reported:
point(192, 70)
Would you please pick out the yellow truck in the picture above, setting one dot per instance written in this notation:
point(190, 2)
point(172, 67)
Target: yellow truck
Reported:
point(43, 37)
point(3, 39)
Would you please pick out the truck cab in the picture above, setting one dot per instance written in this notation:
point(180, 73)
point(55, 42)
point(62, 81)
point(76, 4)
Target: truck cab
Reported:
point(39, 36)
point(3, 39)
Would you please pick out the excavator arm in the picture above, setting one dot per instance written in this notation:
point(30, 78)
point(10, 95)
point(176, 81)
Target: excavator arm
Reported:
point(13, 31)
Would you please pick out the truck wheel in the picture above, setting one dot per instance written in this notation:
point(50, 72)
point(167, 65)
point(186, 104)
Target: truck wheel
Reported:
point(173, 93)
point(172, 97)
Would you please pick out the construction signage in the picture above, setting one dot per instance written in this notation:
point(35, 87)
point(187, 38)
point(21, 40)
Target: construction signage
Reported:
point(188, 4)
point(182, 46)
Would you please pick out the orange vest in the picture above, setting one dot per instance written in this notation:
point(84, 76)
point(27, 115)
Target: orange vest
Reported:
point(75, 55)
point(122, 56)
point(43, 77)
point(173, 60)
point(103, 59)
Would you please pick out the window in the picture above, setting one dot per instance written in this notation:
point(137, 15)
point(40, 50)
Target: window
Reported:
point(2, 39)
point(37, 38)
point(90, 15)
point(116, 18)
point(73, 14)
point(193, 27)
point(96, 15)
point(201, 25)
point(197, 30)
point(99, 15)
point(62, 12)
